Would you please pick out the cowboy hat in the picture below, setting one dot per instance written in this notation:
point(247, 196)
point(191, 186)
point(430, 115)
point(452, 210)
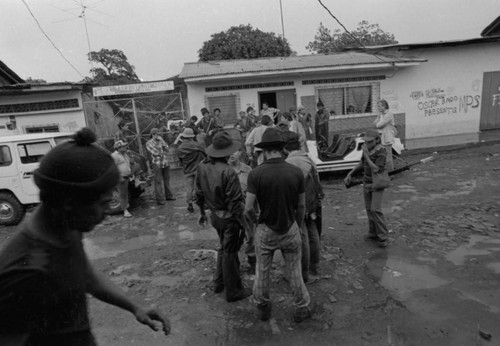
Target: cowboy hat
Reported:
point(222, 145)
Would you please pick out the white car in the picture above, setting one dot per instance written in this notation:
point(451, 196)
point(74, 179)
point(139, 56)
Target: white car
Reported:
point(344, 153)
point(19, 158)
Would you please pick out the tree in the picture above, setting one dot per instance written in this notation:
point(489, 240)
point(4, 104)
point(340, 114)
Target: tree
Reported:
point(34, 81)
point(366, 35)
point(115, 68)
point(243, 42)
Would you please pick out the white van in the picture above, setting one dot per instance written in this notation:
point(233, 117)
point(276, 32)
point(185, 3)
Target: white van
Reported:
point(19, 157)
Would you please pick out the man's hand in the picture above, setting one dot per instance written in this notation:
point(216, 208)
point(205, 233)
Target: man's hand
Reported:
point(347, 179)
point(153, 319)
point(202, 220)
point(366, 153)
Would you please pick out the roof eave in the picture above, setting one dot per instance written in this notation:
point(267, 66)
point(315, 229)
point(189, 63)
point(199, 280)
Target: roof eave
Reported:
point(341, 68)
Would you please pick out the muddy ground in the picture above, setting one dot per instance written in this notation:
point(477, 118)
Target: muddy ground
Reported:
point(436, 284)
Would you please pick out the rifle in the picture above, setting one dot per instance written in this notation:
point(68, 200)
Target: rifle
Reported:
point(393, 172)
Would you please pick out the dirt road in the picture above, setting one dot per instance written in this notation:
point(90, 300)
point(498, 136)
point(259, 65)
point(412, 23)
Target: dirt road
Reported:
point(436, 284)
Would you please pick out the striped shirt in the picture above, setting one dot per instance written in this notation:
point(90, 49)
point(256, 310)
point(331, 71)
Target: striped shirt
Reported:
point(158, 150)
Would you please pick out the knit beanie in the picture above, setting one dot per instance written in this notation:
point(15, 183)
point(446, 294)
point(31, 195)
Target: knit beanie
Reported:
point(77, 168)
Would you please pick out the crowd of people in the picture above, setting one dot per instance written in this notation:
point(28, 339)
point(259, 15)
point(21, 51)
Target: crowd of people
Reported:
point(271, 200)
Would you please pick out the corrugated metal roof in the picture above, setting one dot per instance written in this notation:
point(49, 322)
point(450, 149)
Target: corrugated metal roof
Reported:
point(240, 66)
point(418, 45)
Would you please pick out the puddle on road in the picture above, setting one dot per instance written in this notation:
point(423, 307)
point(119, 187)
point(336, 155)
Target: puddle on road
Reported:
point(201, 234)
point(495, 266)
point(478, 246)
point(402, 278)
point(104, 247)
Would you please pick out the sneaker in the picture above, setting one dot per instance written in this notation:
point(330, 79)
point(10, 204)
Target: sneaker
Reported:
point(370, 237)
point(383, 243)
point(264, 311)
point(244, 293)
point(302, 314)
point(126, 213)
point(190, 208)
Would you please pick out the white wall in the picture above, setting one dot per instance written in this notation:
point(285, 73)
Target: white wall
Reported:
point(249, 97)
point(442, 97)
point(67, 120)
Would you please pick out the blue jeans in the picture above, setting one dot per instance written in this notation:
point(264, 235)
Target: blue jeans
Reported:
point(162, 183)
point(267, 242)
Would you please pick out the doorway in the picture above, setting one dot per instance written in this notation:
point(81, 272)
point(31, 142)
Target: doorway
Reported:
point(281, 99)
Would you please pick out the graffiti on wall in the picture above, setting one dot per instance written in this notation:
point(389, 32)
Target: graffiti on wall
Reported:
point(436, 101)
point(495, 100)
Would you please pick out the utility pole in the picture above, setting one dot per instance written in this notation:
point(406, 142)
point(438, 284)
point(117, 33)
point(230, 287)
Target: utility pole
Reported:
point(282, 27)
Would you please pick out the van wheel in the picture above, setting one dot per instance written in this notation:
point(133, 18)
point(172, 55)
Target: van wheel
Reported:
point(114, 205)
point(11, 211)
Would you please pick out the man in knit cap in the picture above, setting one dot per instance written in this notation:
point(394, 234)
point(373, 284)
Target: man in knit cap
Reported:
point(44, 271)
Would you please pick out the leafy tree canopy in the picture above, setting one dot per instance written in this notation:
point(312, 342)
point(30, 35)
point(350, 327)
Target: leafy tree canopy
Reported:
point(114, 68)
point(244, 42)
point(367, 35)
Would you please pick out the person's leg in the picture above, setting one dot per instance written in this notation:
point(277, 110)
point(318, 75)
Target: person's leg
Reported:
point(290, 245)
point(389, 162)
point(265, 245)
point(230, 260)
point(314, 246)
point(377, 215)
point(190, 191)
point(166, 183)
point(218, 275)
point(372, 233)
point(250, 245)
point(304, 238)
point(160, 198)
point(319, 220)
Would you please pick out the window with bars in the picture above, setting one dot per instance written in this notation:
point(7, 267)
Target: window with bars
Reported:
point(229, 106)
point(348, 100)
point(42, 128)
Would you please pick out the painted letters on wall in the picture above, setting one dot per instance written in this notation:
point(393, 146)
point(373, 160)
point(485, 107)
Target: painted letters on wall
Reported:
point(435, 102)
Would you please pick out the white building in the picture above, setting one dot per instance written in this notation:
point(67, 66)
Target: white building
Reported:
point(441, 93)
point(54, 107)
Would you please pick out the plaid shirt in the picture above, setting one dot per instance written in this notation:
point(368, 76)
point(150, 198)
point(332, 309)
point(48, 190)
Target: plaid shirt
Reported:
point(158, 151)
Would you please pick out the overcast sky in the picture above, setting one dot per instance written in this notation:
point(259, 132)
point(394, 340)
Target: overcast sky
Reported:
point(159, 36)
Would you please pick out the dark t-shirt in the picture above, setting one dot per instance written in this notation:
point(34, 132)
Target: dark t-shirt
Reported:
point(378, 157)
point(277, 186)
point(42, 291)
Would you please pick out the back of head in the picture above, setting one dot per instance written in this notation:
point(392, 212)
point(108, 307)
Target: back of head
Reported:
point(78, 168)
point(266, 120)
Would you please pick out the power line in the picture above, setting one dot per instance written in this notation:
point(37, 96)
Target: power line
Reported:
point(48, 38)
point(349, 33)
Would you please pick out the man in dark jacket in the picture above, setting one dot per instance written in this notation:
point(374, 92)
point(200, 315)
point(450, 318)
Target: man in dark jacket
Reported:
point(218, 188)
point(190, 154)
